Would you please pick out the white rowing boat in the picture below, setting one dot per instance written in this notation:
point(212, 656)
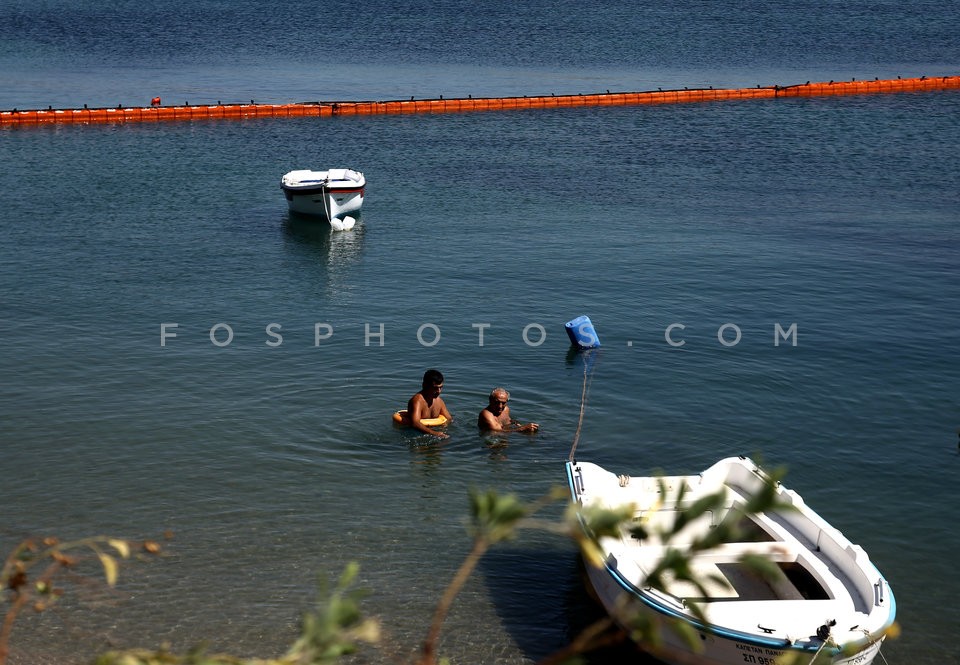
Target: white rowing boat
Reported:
point(826, 596)
point(332, 194)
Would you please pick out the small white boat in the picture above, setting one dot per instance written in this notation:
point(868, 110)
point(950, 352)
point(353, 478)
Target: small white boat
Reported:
point(828, 598)
point(332, 194)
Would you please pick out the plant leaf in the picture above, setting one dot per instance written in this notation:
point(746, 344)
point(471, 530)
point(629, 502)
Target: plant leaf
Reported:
point(122, 547)
point(109, 568)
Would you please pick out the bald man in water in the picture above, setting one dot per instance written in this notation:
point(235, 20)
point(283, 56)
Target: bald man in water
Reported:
point(496, 416)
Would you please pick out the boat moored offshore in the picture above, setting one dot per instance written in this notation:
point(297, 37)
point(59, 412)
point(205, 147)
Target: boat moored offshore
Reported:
point(331, 194)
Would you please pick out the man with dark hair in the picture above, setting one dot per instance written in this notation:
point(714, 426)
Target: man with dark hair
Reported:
point(427, 404)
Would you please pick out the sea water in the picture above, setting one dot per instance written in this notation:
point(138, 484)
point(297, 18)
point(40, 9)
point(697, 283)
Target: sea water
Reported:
point(773, 278)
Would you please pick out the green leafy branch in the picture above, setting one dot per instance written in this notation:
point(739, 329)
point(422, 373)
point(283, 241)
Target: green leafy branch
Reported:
point(29, 574)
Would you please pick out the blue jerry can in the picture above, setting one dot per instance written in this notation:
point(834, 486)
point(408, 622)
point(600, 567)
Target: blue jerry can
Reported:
point(581, 333)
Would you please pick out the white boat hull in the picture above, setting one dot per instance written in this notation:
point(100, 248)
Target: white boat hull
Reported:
point(332, 194)
point(828, 578)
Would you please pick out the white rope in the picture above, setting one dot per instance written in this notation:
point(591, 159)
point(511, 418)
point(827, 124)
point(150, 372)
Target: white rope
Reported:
point(879, 652)
point(879, 649)
point(326, 202)
point(584, 392)
point(825, 642)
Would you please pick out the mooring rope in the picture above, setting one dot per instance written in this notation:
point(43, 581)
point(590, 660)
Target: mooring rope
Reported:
point(879, 649)
point(822, 646)
point(584, 393)
point(326, 202)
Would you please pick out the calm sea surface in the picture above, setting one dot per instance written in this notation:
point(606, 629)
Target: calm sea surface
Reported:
point(273, 465)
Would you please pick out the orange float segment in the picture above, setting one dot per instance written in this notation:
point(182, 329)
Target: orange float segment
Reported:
point(155, 112)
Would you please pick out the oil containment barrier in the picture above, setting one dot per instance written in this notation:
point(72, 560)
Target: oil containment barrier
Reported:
point(219, 111)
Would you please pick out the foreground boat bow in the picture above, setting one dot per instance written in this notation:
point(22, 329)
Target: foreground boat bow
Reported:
point(826, 595)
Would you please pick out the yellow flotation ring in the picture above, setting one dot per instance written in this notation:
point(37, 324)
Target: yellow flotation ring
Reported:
point(401, 418)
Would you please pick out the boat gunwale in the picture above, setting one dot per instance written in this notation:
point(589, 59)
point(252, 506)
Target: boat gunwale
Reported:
point(307, 191)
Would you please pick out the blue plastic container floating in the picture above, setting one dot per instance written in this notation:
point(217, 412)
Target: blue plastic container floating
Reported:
point(581, 333)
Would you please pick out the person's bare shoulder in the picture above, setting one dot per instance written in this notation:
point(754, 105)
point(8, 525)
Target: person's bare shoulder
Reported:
point(416, 399)
point(488, 421)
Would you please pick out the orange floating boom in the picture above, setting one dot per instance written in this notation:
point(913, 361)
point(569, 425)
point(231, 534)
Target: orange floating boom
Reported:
point(328, 109)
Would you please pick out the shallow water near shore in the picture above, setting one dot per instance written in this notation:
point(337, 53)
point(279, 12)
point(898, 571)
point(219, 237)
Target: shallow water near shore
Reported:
point(273, 464)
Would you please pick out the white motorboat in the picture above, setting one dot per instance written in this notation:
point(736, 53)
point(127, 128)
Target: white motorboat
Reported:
point(332, 194)
point(826, 598)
